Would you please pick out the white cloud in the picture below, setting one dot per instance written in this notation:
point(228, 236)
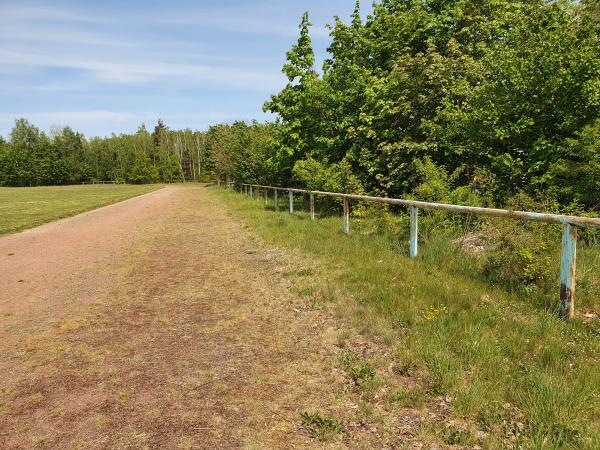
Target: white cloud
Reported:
point(59, 117)
point(144, 71)
point(53, 33)
point(242, 20)
point(11, 13)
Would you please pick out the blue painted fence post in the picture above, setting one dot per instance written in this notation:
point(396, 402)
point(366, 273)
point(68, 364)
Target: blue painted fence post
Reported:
point(312, 206)
point(414, 231)
point(291, 195)
point(276, 200)
point(567, 271)
point(346, 216)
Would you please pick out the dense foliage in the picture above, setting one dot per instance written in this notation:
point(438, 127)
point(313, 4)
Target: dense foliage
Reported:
point(502, 95)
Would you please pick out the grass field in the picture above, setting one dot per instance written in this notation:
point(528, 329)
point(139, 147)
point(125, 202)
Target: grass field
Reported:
point(22, 208)
point(511, 372)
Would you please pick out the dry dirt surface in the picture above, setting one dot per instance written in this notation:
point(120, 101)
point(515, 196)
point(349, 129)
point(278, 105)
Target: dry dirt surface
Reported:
point(161, 322)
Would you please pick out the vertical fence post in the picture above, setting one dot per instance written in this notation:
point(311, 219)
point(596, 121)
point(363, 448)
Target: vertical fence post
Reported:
point(251, 193)
point(276, 200)
point(414, 231)
point(291, 196)
point(346, 216)
point(312, 206)
point(266, 197)
point(567, 271)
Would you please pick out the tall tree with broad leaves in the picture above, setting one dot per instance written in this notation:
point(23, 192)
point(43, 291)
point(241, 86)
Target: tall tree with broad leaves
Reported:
point(298, 105)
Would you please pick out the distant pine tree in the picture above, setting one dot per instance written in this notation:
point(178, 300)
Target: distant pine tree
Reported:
point(158, 132)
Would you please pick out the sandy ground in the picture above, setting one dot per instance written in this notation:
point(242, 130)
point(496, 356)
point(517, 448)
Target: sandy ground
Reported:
point(160, 322)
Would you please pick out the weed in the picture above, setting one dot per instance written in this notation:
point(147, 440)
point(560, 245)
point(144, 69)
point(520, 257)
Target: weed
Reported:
point(412, 398)
point(321, 427)
point(342, 337)
point(452, 435)
point(42, 441)
point(187, 443)
point(298, 273)
point(35, 399)
point(360, 371)
point(99, 421)
point(405, 369)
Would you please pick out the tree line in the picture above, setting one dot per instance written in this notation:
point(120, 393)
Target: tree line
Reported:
point(31, 157)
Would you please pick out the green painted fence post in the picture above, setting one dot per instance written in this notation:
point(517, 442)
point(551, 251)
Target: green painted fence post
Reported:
point(567, 271)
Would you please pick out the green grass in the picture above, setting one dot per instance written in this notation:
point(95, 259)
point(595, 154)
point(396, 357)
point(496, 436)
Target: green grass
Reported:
point(22, 208)
point(509, 365)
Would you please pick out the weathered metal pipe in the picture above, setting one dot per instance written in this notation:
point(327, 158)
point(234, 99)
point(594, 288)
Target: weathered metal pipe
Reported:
point(276, 199)
point(291, 196)
point(561, 219)
point(346, 216)
point(312, 206)
point(567, 271)
point(414, 231)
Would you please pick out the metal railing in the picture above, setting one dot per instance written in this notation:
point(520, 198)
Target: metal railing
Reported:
point(99, 182)
point(570, 225)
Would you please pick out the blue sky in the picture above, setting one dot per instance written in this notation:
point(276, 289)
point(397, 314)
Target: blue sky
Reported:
point(107, 66)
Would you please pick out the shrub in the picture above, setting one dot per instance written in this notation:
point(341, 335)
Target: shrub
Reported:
point(525, 254)
point(318, 176)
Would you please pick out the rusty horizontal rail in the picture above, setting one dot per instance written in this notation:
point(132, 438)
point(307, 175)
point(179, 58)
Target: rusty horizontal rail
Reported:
point(569, 240)
point(561, 219)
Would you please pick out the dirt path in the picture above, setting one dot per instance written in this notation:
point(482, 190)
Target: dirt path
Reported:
point(189, 338)
point(39, 263)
